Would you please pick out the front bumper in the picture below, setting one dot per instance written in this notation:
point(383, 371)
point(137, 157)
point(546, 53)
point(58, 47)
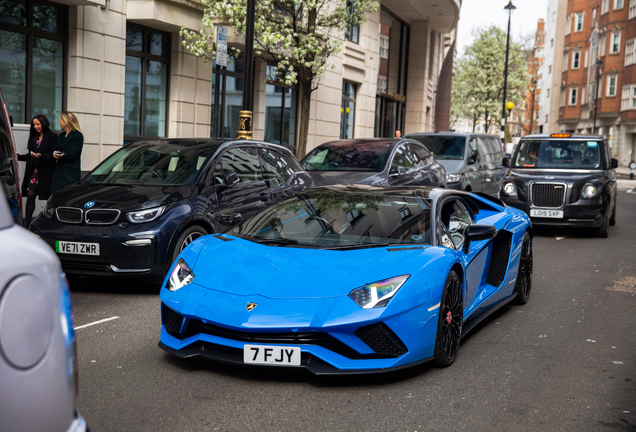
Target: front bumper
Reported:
point(580, 214)
point(117, 255)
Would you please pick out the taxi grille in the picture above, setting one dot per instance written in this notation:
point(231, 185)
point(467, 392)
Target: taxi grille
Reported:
point(102, 217)
point(548, 195)
point(69, 215)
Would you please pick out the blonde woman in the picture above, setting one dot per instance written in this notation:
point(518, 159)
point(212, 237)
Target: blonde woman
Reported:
point(68, 152)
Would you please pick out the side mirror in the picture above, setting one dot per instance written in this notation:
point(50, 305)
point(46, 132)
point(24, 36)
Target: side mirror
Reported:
point(230, 219)
point(505, 161)
point(231, 178)
point(613, 163)
point(473, 157)
point(478, 232)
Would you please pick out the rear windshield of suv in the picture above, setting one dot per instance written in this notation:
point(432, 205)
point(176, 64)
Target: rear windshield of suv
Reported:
point(443, 147)
point(560, 154)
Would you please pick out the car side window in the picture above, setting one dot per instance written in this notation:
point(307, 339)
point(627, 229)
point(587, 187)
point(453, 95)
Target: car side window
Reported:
point(276, 170)
point(402, 157)
point(472, 147)
point(244, 162)
point(485, 152)
point(455, 219)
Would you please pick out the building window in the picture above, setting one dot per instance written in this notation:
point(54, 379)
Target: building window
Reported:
point(230, 98)
point(32, 55)
point(615, 47)
point(630, 54)
point(602, 43)
point(632, 9)
point(618, 4)
point(146, 82)
point(348, 109)
point(604, 6)
point(573, 96)
point(628, 101)
point(576, 59)
point(611, 85)
point(568, 24)
point(352, 32)
point(578, 23)
point(281, 104)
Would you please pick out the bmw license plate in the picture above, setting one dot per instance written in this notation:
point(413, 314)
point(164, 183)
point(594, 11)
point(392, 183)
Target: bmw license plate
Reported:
point(556, 214)
point(77, 248)
point(271, 355)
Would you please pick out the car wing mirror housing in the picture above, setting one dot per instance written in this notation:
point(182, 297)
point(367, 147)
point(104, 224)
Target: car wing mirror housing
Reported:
point(231, 178)
point(613, 163)
point(473, 157)
point(478, 232)
point(230, 219)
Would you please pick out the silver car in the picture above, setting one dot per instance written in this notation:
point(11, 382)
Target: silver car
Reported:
point(38, 358)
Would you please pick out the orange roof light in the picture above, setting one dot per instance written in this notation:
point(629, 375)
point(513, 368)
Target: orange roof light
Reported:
point(560, 135)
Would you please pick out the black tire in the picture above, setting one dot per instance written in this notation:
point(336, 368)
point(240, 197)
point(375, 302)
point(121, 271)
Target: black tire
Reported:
point(188, 236)
point(524, 277)
point(451, 321)
point(612, 220)
point(603, 229)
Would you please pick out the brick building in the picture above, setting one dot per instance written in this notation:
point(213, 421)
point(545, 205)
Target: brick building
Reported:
point(535, 69)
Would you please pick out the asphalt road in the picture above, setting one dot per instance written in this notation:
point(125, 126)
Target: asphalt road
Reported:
point(566, 361)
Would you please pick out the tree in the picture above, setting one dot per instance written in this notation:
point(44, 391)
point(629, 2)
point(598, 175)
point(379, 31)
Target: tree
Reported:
point(297, 36)
point(480, 76)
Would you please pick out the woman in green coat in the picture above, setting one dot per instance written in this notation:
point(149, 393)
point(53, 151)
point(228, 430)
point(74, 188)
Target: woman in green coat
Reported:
point(68, 152)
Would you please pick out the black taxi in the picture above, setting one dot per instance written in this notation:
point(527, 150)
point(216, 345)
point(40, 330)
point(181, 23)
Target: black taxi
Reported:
point(564, 180)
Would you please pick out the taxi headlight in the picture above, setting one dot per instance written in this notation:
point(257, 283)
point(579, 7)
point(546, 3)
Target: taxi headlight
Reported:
point(590, 191)
point(510, 189)
point(146, 215)
point(377, 294)
point(180, 276)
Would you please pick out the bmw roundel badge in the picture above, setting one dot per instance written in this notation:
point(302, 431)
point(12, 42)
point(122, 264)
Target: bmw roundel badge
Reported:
point(89, 204)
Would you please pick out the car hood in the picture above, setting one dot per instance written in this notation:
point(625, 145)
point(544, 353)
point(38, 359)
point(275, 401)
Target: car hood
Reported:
point(328, 178)
point(570, 177)
point(121, 197)
point(242, 267)
point(451, 166)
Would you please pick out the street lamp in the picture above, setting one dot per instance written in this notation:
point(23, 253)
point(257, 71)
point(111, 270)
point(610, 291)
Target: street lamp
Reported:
point(598, 69)
point(509, 107)
point(534, 89)
point(245, 116)
point(509, 7)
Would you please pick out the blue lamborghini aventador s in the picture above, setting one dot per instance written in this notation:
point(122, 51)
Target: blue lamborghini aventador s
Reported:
point(348, 279)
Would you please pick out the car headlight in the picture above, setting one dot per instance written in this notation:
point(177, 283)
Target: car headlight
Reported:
point(510, 189)
point(146, 215)
point(453, 178)
point(590, 191)
point(49, 210)
point(377, 294)
point(180, 276)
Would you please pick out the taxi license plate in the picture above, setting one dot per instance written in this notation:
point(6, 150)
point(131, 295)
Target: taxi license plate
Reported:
point(556, 214)
point(77, 248)
point(271, 355)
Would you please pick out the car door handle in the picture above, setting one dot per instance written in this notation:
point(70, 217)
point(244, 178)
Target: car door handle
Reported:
point(264, 196)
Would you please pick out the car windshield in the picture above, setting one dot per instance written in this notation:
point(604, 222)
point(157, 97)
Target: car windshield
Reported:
point(443, 147)
point(341, 221)
point(354, 157)
point(159, 164)
point(558, 154)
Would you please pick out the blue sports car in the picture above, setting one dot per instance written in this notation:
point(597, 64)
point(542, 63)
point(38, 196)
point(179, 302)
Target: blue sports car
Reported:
point(348, 279)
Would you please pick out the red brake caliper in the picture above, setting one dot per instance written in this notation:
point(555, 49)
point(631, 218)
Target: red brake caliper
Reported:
point(449, 317)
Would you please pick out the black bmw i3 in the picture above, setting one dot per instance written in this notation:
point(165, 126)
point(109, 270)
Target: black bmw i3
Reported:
point(134, 213)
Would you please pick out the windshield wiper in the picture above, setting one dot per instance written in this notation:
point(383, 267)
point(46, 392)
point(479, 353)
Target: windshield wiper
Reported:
point(359, 246)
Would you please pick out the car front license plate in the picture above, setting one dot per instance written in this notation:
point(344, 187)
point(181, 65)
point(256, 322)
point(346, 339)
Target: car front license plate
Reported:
point(77, 248)
point(271, 355)
point(556, 214)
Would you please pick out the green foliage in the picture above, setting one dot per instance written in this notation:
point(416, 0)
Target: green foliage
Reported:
point(479, 78)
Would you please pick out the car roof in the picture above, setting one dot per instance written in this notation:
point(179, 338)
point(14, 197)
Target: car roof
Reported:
point(571, 137)
point(449, 133)
point(212, 142)
point(362, 141)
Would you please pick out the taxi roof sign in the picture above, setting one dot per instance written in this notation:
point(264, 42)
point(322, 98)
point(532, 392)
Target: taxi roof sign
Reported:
point(560, 135)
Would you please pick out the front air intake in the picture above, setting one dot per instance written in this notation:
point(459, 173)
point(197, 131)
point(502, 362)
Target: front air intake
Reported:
point(171, 320)
point(381, 339)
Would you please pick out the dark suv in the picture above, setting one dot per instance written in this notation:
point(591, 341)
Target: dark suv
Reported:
point(563, 180)
point(9, 181)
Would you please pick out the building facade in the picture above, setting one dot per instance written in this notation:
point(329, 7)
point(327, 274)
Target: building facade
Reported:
point(552, 66)
point(535, 69)
point(597, 83)
point(121, 67)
